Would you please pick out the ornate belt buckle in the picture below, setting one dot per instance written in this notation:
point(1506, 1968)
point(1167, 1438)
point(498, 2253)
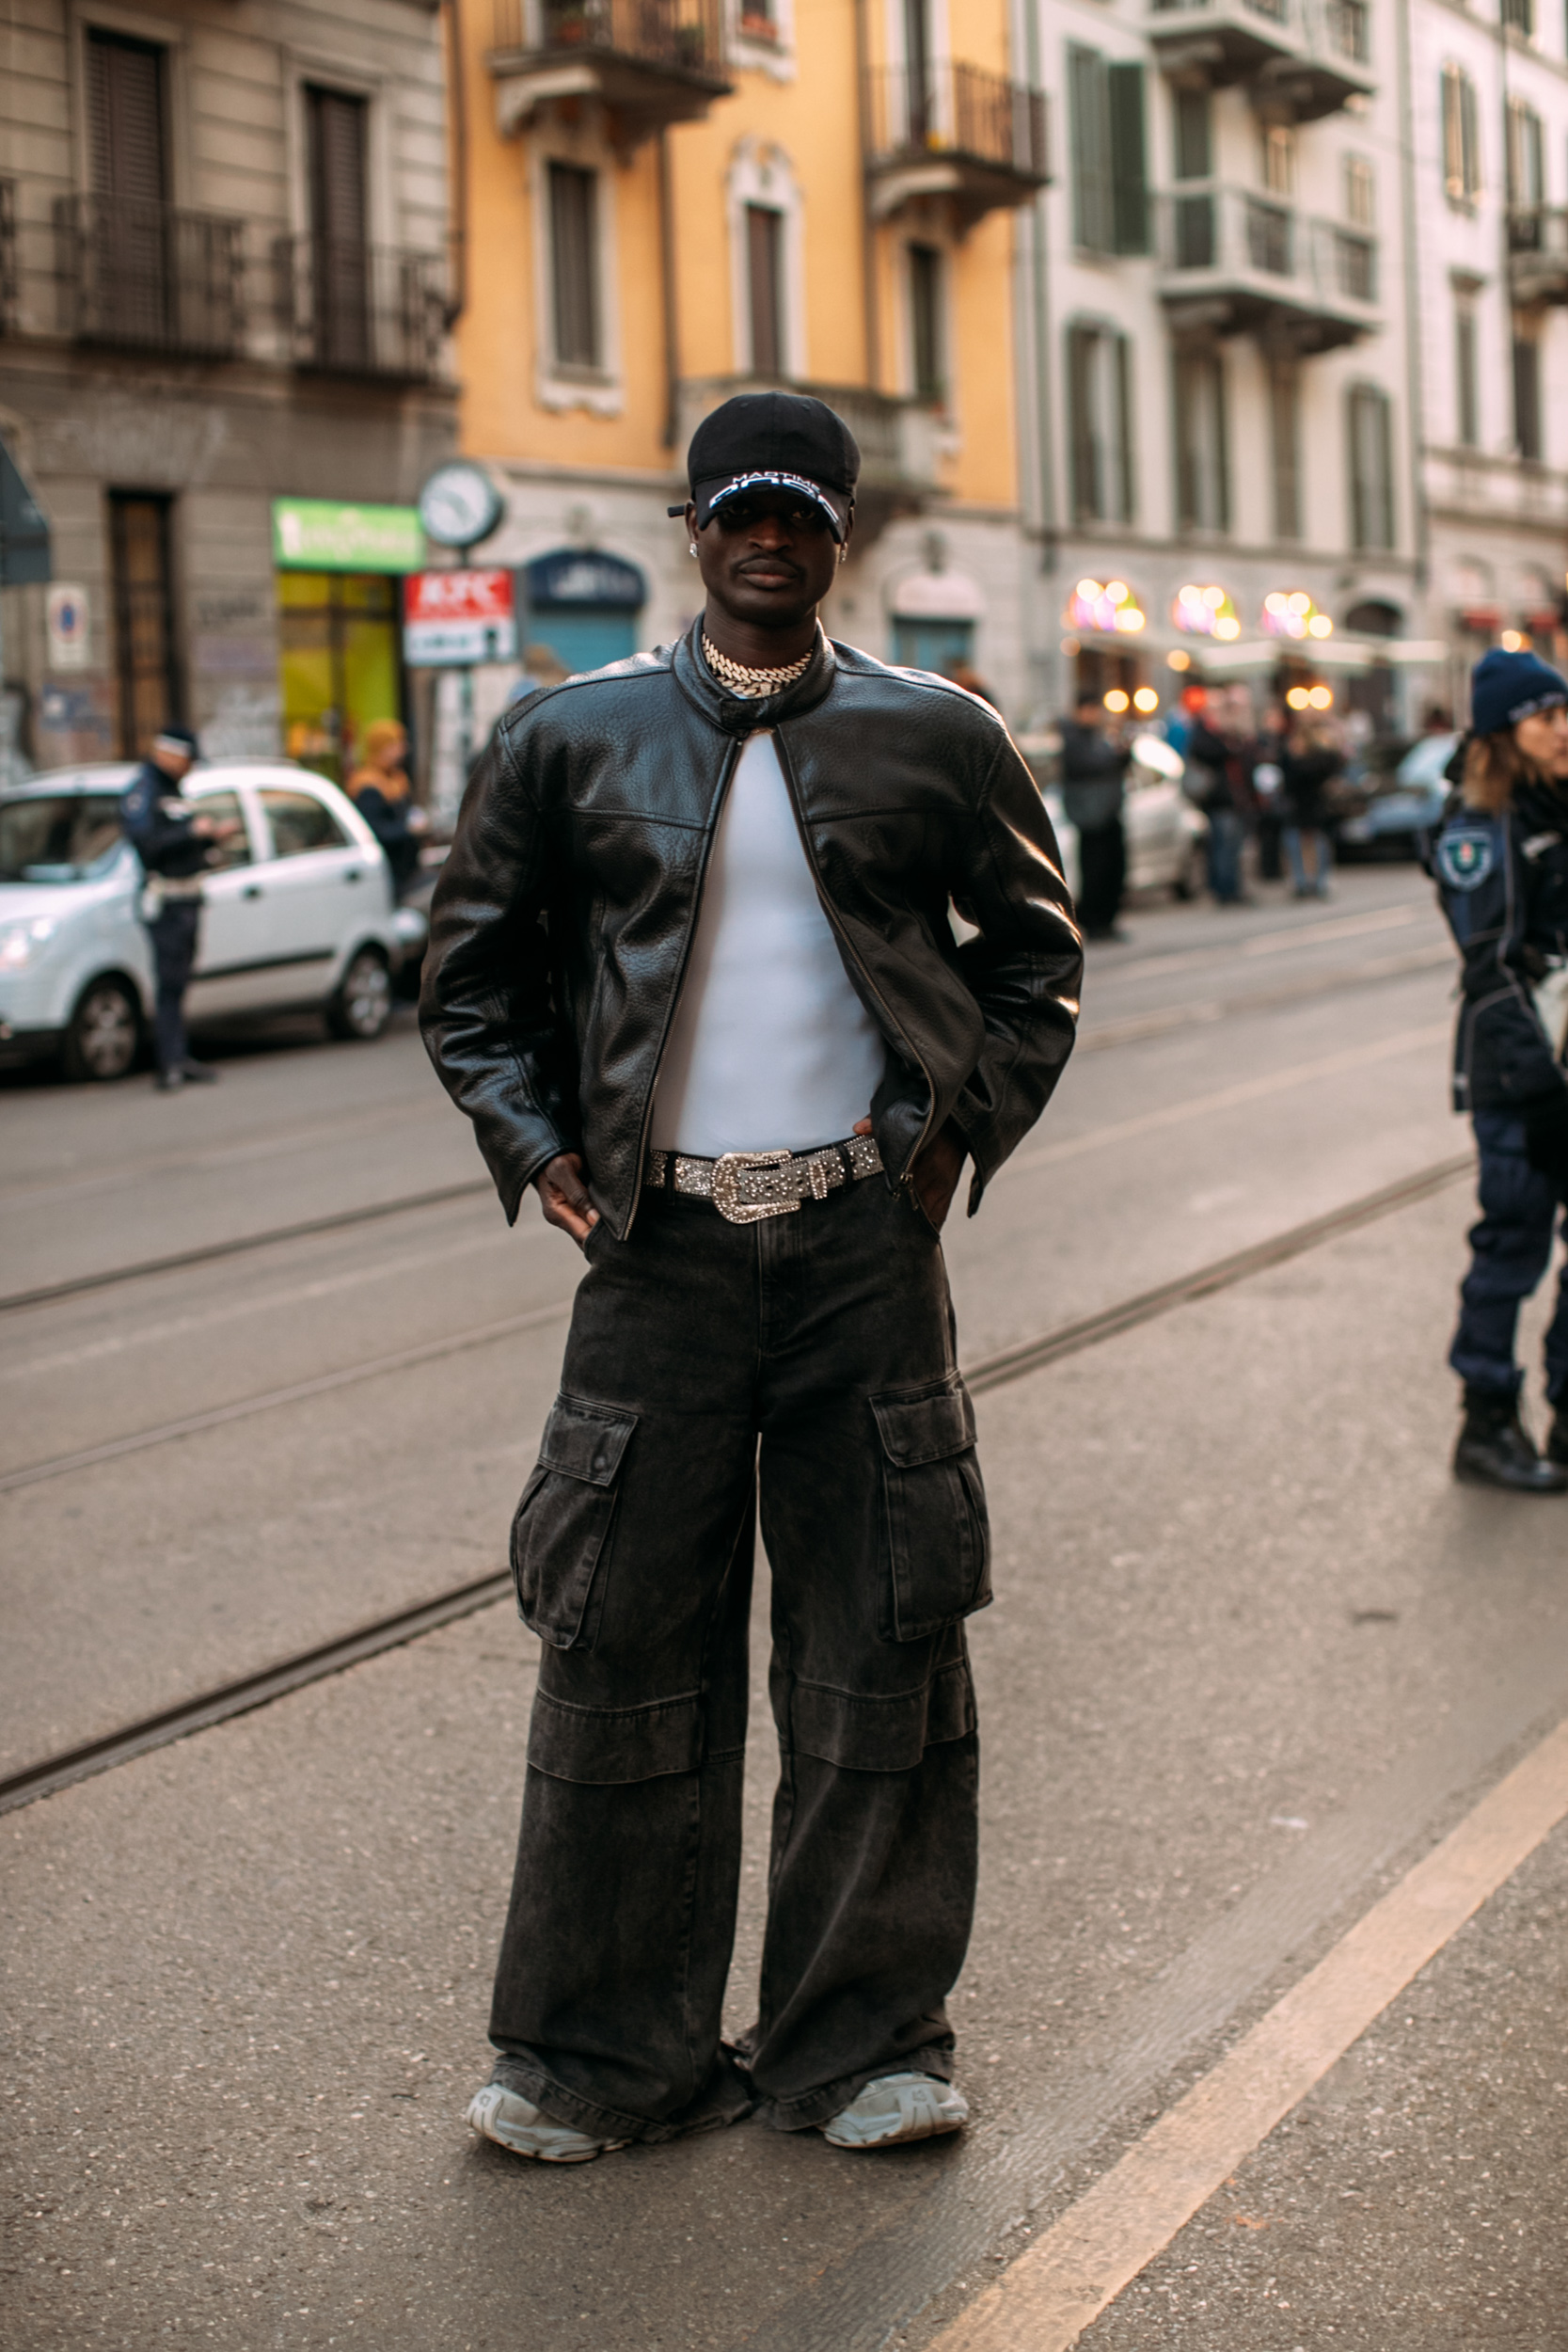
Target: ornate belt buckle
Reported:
point(728, 1176)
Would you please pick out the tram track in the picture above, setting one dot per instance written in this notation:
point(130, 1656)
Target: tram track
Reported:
point(241, 1695)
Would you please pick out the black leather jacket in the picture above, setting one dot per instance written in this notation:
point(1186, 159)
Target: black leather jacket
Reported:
point(564, 916)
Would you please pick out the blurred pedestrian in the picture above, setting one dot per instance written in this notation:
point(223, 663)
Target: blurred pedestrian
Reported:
point(1220, 758)
point(380, 790)
point(972, 682)
point(1311, 761)
point(1500, 860)
point(680, 947)
point(176, 846)
point(1268, 783)
point(1094, 787)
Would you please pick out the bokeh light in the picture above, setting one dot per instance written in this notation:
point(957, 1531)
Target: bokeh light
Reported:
point(1206, 611)
point(1146, 700)
point(1108, 607)
point(1116, 700)
point(1292, 613)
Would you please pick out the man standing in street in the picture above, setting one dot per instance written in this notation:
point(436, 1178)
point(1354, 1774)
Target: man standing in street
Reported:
point(692, 976)
point(1094, 783)
point(175, 847)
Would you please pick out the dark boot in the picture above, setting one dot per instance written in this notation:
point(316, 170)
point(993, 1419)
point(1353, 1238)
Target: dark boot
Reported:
point(1557, 1436)
point(1496, 1449)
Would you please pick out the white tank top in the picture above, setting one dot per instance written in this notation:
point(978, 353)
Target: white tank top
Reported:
point(770, 1048)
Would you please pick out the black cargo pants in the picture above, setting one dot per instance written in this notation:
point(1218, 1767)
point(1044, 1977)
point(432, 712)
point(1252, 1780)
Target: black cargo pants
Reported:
point(808, 1358)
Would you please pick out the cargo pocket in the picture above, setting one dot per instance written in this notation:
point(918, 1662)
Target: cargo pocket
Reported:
point(562, 1523)
point(938, 1537)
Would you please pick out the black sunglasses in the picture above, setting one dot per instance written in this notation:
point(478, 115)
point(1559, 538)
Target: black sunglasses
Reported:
point(740, 514)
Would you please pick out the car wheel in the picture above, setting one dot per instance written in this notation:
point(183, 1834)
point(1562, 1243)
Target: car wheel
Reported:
point(362, 1005)
point(103, 1037)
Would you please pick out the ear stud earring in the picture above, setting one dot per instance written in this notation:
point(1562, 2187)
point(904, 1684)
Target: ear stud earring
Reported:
point(692, 549)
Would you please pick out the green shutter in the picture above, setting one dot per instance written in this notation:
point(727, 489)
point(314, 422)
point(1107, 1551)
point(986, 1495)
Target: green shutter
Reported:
point(1092, 225)
point(1129, 168)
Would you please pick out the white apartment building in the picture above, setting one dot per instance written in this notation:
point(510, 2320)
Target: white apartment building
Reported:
point(1489, 172)
point(1293, 342)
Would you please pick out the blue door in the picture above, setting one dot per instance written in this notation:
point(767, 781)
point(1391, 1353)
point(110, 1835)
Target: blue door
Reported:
point(585, 636)
point(939, 645)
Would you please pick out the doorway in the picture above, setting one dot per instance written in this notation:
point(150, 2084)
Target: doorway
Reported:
point(146, 683)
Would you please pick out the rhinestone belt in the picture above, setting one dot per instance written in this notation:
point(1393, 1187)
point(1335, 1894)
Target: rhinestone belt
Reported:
point(746, 1185)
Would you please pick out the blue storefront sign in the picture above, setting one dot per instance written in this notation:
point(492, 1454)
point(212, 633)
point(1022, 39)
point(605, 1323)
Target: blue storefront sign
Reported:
point(583, 604)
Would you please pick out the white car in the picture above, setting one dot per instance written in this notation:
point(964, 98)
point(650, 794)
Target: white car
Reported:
point(300, 915)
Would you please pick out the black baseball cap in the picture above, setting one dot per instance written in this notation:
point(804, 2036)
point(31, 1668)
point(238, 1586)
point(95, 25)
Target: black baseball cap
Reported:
point(774, 441)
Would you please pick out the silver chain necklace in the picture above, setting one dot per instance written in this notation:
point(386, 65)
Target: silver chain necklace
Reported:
point(751, 685)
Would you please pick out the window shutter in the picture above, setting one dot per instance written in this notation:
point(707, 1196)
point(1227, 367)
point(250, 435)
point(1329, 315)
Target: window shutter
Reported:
point(339, 211)
point(1086, 472)
point(1129, 167)
point(765, 275)
point(1092, 223)
point(1527, 397)
point(1127, 501)
point(125, 118)
point(1470, 137)
point(1371, 468)
point(1194, 160)
point(574, 264)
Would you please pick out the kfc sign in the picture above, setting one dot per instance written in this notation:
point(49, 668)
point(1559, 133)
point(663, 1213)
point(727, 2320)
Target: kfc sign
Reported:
point(453, 619)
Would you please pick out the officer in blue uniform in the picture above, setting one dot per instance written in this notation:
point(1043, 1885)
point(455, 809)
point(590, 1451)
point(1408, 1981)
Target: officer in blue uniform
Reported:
point(175, 845)
point(1500, 861)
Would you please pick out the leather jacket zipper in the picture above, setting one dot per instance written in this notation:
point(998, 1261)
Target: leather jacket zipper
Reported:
point(851, 956)
point(732, 762)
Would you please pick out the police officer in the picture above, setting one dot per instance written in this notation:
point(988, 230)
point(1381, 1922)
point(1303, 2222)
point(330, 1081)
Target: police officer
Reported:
point(1500, 861)
point(175, 845)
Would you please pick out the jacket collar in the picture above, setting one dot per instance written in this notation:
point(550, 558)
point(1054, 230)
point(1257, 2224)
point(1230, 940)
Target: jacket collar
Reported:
point(733, 714)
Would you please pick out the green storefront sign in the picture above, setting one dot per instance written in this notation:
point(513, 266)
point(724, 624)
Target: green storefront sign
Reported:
point(321, 536)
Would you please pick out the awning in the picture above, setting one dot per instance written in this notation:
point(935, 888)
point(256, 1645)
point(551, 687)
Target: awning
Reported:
point(1323, 653)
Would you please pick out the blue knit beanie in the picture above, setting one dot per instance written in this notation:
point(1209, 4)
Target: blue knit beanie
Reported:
point(1508, 687)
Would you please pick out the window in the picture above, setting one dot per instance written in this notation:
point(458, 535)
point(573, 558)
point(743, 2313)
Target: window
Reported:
point(574, 201)
point(127, 233)
point(1360, 192)
point(145, 674)
point(224, 809)
point(63, 837)
point(1461, 138)
point(1278, 158)
point(1527, 165)
point(1519, 16)
point(300, 823)
point(1465, 370)
point(1285, 446)
point(1202, 473)
point(1099, 408)
point(1526, 392)
point(764, 288)
point(1110, 174)
point(1369, 435)
point(336, 142)
point(927, 369)
point(1194, 148)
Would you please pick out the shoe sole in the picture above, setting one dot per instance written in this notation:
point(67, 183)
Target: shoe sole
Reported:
point(1468, 1477)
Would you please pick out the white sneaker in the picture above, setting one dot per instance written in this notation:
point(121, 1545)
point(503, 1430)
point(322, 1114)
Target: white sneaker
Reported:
point(896, 2108)
point(513, 2121)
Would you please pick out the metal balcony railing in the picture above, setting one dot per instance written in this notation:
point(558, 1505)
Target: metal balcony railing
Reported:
point(346, 308)
point(1538, 253)
point(681, 36)
point(959, 111)
point(1274, 11)
point(1262, 244)
point(148, 277)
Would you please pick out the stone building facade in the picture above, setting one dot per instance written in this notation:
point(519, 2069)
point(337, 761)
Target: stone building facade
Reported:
point(225, 304)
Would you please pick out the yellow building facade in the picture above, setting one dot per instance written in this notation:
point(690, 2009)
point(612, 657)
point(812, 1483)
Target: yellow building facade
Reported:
point(671, 200)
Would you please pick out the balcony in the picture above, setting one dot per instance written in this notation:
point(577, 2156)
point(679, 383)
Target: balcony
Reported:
point(346, 308)
point(1304, 58)
point(649, 62)
point(1235, 263)
point(142, 276)
point(897, 440)
point(1538, 254)
point(953, 130)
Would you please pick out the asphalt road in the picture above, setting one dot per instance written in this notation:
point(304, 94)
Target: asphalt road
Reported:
point(1252, 1653)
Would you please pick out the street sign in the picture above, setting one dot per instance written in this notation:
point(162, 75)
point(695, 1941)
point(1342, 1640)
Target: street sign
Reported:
point(321, 535)
point(66, 620)
point(23, 529)
point(453, 619)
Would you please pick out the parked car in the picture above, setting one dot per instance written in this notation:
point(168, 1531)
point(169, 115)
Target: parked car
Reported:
point(299, 917)
point(1398, 808)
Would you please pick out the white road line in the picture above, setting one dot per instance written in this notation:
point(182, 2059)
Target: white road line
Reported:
point(1343, 927)
point(1053, 2293)
point(1226, 1098)
point(323, 1132)
point(1259, 943)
